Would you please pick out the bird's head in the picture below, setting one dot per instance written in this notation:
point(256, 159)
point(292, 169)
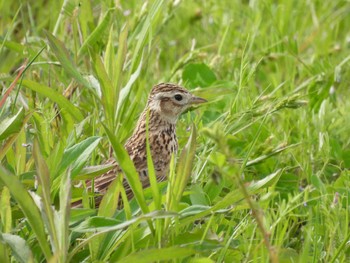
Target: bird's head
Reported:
point(170, 100)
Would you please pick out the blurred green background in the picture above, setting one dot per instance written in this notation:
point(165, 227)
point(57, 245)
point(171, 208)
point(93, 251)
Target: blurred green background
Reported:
point(269, 180)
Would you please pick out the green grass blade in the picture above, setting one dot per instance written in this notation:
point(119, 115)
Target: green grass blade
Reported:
point(128, 168)
point(183, 171)
point(108, 99)
point(44, 182)
point(63, 57)
point(62, 225)
point(121, 56)
point(62, 102)
point(124, 94)
point(151, 171)
point(10, 28)
point(96, 34)
point(5, 210)
point(28, 207)
point(153, 14)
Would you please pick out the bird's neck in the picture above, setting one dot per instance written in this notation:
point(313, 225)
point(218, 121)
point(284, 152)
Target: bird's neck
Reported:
point(156, 122)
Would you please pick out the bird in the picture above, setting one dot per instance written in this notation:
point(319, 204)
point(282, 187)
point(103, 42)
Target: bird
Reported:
point(166, 102)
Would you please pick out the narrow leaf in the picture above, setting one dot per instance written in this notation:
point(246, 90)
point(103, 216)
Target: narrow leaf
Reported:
point(183, 171)
point(96, 34)
point(129, 170)
point(48, 213)
point(5, 210)
point(122, 48)
point(151, 172)
point(62, 226)
point(124, 93)
point(56, 97)
point(63, 57)
point(28, 207)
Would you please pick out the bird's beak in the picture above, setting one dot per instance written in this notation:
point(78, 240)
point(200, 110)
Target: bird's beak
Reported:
point(197, 100)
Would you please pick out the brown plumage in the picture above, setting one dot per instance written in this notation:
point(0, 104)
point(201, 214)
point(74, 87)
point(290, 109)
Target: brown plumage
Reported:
point(165, 104)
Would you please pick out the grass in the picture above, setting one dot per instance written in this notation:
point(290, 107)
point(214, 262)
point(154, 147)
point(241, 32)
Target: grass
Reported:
point(263, 171)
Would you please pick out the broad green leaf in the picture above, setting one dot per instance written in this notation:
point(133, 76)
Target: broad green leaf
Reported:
point(198, 196)
point(14, 46)
point(63, 57)
point(11, 125)
point(77, 155)
point(29, 209)
point(109, 203)
point(198, 75)
point(56, 97)
point(18, 247)
point(93, 171)
point(79, 214)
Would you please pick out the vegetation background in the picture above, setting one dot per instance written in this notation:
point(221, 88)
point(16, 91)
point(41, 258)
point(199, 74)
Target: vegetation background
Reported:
point(264, 171)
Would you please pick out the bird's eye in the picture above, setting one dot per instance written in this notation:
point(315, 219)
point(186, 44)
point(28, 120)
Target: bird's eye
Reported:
point(178, 97)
